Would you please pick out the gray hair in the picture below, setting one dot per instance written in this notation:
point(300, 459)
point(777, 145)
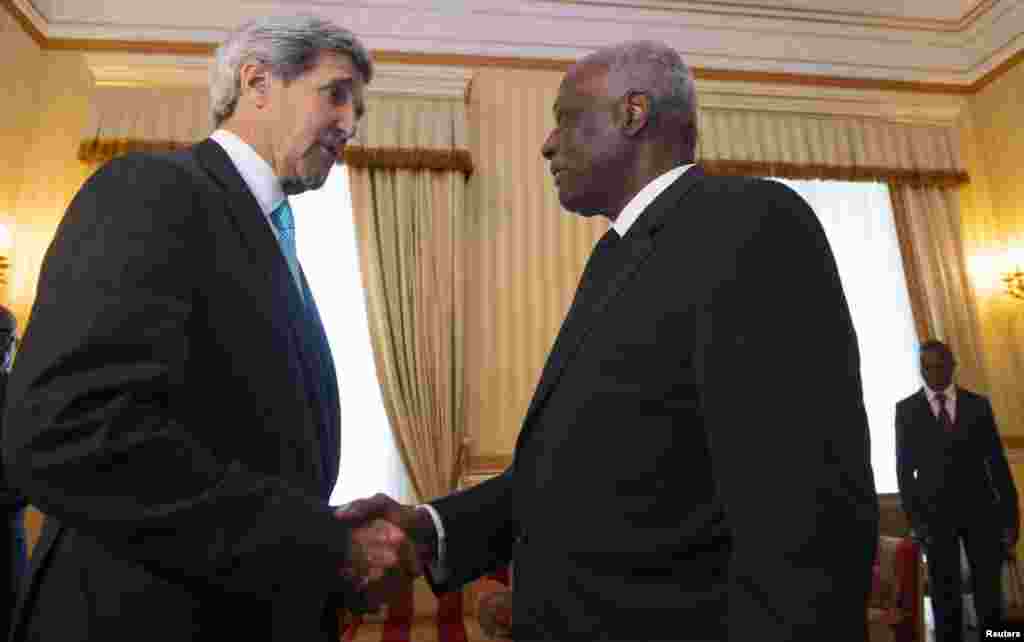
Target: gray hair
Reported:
point(659, 71)
point(289, 45)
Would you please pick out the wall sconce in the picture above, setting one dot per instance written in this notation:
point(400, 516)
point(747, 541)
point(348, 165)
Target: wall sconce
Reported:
point(6, 245)
point(1013, 278)
point(1015, 283)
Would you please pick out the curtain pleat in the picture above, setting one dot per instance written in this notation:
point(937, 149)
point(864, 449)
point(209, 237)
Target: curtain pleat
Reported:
point(802, 146)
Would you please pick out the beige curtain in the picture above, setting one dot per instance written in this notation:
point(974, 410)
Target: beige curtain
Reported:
point(127, 119)
point(791, 145)
point(409, 200)
point(923, 167)
point(928, 222)
point(408, 224)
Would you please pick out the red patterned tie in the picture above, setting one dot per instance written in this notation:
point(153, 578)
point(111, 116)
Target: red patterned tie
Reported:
point(944, 419)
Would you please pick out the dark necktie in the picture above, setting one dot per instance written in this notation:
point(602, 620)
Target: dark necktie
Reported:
point(944, 419)
point(284, 222)
point(599, 268)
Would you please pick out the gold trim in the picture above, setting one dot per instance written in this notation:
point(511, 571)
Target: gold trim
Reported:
point(176, 48)
point(810, 80)
point(26, 24)
point(475, 61)
point(392, 158)
point(103, 150)
point(834, 172)
point(1013, 442)
point(482, 464)
point(855, 18)
point(998, 72)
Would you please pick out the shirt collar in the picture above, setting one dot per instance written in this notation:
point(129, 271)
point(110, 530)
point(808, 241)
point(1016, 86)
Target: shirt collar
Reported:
point(257, 173)
point(950, 393)
point(636, 206)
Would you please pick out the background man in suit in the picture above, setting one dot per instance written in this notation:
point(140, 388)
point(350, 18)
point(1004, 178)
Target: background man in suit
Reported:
point(955, 484)
point(174, 409)
point(13, 544)
point(694, 464)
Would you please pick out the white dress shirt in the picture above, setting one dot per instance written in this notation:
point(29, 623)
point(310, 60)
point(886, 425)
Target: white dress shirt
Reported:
point(950, 393)
point(261, 180)
point(623, 222)
point(636, 205)
point(257, 173)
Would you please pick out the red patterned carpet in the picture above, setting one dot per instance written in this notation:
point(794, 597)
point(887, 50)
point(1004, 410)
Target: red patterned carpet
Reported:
point(398, 623)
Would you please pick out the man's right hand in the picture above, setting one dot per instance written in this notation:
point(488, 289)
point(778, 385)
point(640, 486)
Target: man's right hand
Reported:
point(382, 561)
point(495, 614)
point(416, 523)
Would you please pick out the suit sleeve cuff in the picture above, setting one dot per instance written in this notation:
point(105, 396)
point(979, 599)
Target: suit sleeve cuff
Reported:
point(438, 569)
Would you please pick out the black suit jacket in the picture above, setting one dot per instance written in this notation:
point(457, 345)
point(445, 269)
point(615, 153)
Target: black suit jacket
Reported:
point(978, 490)
point(166, 413)
point(695, 461)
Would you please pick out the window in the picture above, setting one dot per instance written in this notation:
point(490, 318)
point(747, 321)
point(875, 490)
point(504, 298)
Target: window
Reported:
point(326, 243)
point(858, 221)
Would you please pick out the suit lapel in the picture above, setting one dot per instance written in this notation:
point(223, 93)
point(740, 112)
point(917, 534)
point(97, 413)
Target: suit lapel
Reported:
point(632, 252)
point(267, 256)
point(964, 411)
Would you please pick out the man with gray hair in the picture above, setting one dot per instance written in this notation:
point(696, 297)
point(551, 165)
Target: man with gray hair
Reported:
point(694, 464)
point(174, 409)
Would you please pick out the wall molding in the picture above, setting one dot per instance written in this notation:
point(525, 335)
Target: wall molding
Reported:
point(961, 23)
point(156, 70)
point(115, 69)
point(890, 105)
point(723, 42)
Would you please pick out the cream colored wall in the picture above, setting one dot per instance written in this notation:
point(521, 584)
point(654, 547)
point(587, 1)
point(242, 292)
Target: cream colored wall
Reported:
point(992, 208)
point(53, 173)
point(525, 254)
point(19, 84)
point(992, 211)
point(45, 108)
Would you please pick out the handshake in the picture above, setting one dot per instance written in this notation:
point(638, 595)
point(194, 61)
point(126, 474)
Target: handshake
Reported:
point(390, 545)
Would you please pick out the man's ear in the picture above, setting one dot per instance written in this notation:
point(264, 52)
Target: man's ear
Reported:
point(254, 78)
point(638, 112)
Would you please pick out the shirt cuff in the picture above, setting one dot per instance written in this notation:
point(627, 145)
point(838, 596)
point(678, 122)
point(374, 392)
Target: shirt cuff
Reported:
point(438, 570)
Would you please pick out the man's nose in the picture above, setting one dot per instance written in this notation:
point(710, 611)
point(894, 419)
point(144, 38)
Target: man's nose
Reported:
point(547, 150)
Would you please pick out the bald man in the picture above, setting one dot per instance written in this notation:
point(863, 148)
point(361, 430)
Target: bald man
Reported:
point(694, 464)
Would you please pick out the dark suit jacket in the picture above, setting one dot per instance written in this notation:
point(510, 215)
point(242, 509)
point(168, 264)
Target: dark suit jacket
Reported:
point(694, 463)
point(12, 535)
point(977, 490)
point(166, 413)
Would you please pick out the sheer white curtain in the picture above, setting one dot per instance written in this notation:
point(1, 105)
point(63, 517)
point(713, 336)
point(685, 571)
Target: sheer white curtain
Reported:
point(858, 221)
point(326, 242)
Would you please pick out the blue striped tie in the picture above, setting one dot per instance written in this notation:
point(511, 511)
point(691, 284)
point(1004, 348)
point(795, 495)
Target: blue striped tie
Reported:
point(284, 223)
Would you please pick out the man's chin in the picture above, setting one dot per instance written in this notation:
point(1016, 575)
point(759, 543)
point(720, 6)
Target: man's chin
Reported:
point(578, 206)
point(292, 185)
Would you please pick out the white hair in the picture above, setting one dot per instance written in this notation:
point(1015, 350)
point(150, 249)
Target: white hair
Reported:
point(658, 70)
point(289, 45)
